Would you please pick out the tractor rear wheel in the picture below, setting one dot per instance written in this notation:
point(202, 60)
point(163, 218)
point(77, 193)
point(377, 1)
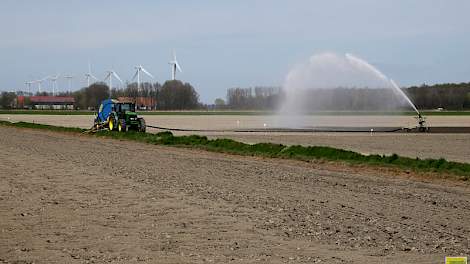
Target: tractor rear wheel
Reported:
point(122, 126)
point(142, 125)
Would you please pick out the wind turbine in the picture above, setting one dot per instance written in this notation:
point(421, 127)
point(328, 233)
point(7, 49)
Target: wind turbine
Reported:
point(28, 85)
point(69, 78)
point(53, 80)
point(39, 82)
point(89, 76)
point(137, 74)
point(174, 66)
point(110, 76)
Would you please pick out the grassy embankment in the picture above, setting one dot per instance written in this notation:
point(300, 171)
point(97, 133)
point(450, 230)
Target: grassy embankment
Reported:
point(458, 170)
point(230, 112)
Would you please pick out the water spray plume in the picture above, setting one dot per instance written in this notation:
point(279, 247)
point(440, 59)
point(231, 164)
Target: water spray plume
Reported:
point(328, 81)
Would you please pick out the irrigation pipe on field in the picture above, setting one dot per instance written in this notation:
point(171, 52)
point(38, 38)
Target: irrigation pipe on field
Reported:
point(277, 130)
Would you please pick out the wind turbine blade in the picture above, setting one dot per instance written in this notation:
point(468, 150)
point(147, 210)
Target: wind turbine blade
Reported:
point(107, 76)
point(117, 77)
point(146, 72)
point(135, 75)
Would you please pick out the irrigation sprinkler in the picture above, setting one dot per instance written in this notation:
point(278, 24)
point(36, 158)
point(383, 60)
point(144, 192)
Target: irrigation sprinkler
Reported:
point(422, 127)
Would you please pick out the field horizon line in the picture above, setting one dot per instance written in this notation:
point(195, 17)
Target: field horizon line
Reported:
point(243, 112)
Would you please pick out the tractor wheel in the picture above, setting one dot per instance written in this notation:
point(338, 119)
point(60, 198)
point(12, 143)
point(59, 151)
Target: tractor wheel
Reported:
point(122, 126)
point(142, 125)
point(111, 125)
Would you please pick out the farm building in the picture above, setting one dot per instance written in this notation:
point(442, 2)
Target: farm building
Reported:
point(52, 102)
point(143, 103)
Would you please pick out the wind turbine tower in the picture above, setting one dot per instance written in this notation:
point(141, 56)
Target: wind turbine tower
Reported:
point(55, 87)
point(174, 66)
point(28, 86)
point(89, 75)
point(137, 74)
point(69, 78)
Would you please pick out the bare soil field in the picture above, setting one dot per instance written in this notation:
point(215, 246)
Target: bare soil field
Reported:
point(77, 199)
point(454, 147)
point(219, 122)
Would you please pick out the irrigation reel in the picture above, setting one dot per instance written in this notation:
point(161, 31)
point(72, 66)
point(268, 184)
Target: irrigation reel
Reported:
point(422, 126)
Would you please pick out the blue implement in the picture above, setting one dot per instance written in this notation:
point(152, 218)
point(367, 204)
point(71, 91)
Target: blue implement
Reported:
point(106, 108)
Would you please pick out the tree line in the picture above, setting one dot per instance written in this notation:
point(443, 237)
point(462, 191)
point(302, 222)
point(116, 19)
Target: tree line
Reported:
point(451, 96)
point(259, 98)
point(172, 95)
point(176, 95)
point(7, 100)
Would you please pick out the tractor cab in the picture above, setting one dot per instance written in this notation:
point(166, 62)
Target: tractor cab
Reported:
point(124, 109)
point(120, 116)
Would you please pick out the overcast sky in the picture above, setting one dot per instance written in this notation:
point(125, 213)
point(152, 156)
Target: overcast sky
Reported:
point(223, 44)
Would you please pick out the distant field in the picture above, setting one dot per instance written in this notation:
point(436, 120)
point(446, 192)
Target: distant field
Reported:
point(242, 113)
point(453, 147)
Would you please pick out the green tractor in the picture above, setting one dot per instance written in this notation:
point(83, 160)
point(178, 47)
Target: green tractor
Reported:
point(120, 116)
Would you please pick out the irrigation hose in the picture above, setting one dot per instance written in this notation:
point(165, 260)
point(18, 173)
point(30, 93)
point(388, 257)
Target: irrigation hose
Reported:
point(275, 130)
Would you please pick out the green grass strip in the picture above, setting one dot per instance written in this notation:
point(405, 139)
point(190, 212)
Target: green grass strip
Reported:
point(42, 126)
point(296, 152)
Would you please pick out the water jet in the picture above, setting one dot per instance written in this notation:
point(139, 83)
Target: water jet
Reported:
point(329, 81)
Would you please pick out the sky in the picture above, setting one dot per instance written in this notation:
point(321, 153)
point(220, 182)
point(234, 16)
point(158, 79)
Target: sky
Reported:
point(225, 44)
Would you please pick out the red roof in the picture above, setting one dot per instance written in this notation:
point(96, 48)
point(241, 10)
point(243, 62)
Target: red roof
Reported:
point(52, 99)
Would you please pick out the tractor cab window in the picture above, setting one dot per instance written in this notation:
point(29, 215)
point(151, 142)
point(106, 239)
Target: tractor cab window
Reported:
point(127, 107)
